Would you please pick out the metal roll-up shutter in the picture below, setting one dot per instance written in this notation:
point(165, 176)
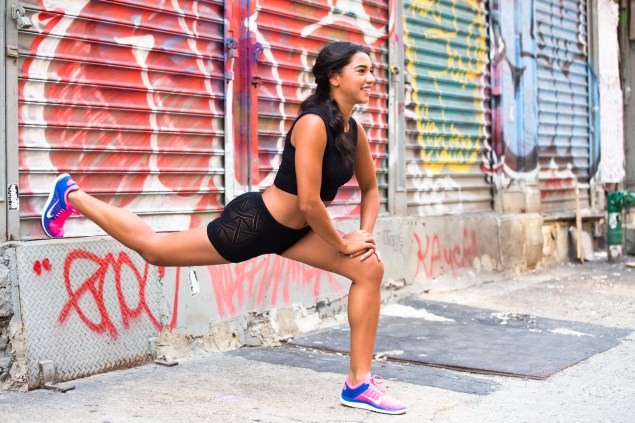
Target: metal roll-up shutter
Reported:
point(448, 112)
point(563, 102)
point(287, 36)
point(127, 97)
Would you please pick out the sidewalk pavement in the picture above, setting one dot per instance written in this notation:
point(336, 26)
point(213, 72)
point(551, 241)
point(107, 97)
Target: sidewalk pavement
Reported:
point(292, 384)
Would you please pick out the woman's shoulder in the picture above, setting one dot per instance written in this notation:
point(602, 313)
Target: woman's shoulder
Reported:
point(314, 116)
point(319, 110)
point(310, 124)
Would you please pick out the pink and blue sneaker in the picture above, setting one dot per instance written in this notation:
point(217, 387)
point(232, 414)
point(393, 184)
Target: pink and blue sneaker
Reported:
point(57, 209)
point(369, 395)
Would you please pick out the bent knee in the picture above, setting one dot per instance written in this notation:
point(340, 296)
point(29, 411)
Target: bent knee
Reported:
point(371, 270)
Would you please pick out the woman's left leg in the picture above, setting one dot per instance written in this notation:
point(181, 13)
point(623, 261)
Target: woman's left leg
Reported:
point(361, 390)
point(364, 297)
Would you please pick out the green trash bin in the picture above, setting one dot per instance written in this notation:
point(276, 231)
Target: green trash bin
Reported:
point(616, 203)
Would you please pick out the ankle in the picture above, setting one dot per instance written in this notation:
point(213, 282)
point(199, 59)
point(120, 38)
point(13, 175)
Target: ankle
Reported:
point(355, 379)
point(73, 196)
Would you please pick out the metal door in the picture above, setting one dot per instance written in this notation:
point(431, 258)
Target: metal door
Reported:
point(448, 112)
point(563, 101)
point(285, 38)
point(127, 97)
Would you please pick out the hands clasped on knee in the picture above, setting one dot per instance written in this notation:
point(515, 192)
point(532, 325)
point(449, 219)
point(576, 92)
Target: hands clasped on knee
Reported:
point(360, 244)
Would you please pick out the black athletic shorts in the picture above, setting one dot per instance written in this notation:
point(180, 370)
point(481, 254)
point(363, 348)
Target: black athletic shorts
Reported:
point(246, 229)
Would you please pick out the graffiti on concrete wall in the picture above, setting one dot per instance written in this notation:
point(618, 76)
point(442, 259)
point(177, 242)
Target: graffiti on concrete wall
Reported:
point(434, 256)
point(269, 281)
point(108, 293)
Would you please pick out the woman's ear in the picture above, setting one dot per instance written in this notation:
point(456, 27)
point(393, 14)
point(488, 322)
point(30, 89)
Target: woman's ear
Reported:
point(334, 79)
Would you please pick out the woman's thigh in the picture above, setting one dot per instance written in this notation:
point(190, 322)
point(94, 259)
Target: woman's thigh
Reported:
point(186, 248)
point(316, 252)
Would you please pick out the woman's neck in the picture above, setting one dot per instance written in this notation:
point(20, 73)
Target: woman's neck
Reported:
point(345, 109)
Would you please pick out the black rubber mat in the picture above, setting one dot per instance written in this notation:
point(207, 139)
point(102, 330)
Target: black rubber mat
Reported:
point(483, 341)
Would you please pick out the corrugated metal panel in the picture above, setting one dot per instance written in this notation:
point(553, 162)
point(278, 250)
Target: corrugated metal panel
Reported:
point(128, 98)
point(448, 112)
point(289, 34)
point(563, 101)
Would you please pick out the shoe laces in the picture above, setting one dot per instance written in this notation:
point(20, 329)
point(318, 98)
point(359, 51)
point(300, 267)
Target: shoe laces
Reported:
point(74, 211)
point(376, 381)
point(63, 213)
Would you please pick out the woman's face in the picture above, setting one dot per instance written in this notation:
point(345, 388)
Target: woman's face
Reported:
point(354, 81)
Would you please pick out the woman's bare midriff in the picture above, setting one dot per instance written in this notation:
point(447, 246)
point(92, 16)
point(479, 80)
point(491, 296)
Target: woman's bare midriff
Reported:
point(285, 207)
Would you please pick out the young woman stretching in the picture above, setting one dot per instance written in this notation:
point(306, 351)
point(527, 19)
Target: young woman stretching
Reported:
point(322, 150)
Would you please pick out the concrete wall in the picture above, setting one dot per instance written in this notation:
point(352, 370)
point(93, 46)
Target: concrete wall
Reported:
point(6, 312)
point(93, 306)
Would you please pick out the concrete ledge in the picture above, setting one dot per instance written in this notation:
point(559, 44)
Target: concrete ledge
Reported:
point(586, 214)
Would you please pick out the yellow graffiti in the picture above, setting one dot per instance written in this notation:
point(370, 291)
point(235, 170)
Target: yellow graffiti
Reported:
point(444, 145)
point(426, 7)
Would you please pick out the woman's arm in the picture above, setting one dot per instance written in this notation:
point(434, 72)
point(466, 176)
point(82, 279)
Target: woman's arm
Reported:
point(309, 137)
point(367, 179)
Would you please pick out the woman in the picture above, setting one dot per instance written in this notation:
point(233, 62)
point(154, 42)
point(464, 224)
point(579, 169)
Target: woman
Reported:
point(323, 149)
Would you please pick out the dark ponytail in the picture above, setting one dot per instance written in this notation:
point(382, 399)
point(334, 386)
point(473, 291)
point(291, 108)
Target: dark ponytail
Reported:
point(329, 61)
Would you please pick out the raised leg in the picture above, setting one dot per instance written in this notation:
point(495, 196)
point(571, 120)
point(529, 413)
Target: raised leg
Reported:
point(187, 248)
point(364, 298)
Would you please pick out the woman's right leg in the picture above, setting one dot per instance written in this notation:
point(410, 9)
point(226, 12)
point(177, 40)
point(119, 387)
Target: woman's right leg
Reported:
point(187, 248)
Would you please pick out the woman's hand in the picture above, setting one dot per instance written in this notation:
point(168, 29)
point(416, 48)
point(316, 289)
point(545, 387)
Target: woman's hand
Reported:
point(366, 254)
point(359, 243)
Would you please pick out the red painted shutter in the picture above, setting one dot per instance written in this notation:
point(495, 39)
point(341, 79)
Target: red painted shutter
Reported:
point(286, 37)
point(127, 97)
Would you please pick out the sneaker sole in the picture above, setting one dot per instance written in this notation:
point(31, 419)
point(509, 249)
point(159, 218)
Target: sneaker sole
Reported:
point(369, 407)
point(48, 202)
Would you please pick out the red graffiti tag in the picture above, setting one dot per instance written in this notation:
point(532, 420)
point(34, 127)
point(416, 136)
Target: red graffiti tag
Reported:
point(433, 255)
point(44, 264)
point(230, 282)
point(94, 287)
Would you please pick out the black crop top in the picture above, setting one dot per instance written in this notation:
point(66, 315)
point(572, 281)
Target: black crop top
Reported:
point(335, 172)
